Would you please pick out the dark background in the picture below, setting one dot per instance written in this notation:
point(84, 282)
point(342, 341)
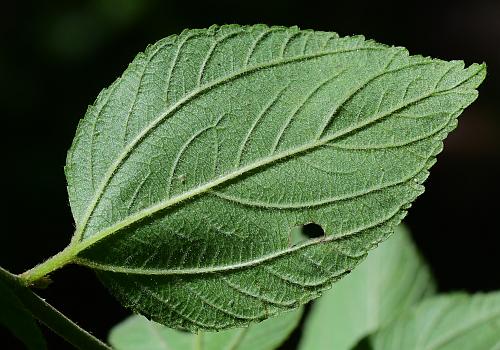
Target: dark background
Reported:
point(56, 56)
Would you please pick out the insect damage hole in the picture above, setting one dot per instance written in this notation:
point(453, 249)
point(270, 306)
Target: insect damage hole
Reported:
point(313, 230)
point(302, 233)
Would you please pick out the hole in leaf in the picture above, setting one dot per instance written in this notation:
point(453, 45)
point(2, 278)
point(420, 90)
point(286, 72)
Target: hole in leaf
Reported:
point(313, 230)
point(302, 233)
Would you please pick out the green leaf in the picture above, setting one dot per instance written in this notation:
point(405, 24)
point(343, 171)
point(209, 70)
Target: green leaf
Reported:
point(391, 279)
point(187, 175)
point(15, 317)
point(448, 322)
point(137, 333)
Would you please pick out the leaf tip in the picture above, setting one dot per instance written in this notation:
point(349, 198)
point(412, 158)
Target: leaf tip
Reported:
point(476, 74)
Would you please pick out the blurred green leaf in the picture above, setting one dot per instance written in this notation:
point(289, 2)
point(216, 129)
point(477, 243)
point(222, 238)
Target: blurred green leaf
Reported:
point(392, 278)
point(447, 322)
point(137, 333)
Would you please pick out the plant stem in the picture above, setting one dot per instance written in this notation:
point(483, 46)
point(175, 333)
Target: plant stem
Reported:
point(51, 317)
point(53, 263)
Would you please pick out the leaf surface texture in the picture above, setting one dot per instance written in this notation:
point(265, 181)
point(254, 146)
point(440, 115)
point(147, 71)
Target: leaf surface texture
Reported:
point(189, 172)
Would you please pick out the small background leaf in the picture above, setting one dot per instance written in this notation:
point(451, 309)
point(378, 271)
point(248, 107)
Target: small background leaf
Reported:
point(137, 333)
point(18, 320)
point(391, 279)
point(447, 322)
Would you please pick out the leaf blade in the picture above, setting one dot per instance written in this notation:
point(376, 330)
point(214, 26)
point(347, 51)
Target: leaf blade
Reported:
point(187, 152)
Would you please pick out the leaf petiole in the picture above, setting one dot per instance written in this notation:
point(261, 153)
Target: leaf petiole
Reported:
point(55, 262)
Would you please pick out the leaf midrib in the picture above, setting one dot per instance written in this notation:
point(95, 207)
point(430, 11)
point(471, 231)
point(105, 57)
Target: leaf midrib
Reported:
point(176, 106)
point(81, 245)
point(149, 211)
